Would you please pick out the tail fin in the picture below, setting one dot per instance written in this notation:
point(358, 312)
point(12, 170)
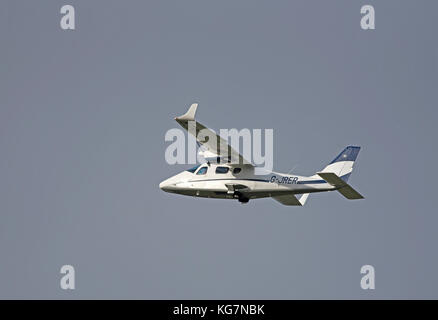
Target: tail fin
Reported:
point(342, 165)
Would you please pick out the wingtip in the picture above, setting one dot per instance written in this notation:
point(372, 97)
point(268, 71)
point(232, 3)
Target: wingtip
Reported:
point(190, 114)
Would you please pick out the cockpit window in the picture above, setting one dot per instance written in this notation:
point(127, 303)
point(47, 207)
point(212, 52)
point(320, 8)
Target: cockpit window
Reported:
point(222, 169)
point(192, 170)
point(236, 170)
point(203, 170)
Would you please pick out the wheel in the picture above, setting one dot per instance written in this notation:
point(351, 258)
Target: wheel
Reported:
point(243, 199)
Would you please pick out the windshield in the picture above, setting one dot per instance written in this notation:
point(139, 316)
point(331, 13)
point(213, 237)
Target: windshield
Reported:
point(192, 170)
point(203, 170)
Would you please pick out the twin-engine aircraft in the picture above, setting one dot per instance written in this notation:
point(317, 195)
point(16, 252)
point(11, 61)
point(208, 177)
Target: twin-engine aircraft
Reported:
point(221, 177)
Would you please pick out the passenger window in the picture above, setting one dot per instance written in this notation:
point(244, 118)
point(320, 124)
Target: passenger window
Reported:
point(222, 169)
point(236, 170)
point(203, 170)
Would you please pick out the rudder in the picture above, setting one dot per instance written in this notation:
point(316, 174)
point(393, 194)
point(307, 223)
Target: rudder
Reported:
point(342, 165)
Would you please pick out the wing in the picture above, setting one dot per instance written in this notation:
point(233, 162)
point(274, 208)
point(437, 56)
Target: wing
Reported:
point(291, 200)
point(214, 143)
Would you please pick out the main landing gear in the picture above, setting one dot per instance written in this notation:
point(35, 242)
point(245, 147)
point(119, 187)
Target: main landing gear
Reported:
point(242, 199)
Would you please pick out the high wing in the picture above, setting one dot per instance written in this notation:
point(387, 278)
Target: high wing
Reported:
point(211, 141)
point(291, 200)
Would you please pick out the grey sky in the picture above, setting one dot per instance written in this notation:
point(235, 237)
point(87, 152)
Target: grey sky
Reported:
point(82, 121)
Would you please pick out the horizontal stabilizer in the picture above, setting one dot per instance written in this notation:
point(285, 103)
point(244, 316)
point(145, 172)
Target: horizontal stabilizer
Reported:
point(344, 188)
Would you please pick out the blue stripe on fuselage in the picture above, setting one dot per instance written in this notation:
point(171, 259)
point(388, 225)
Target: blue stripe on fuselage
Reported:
point(264, 180)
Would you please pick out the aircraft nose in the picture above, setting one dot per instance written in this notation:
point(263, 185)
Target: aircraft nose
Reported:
point(166, 185)
point(163, 185)
point(173, 184)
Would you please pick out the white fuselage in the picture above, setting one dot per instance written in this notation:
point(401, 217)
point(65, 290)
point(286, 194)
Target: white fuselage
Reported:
point(232, 181)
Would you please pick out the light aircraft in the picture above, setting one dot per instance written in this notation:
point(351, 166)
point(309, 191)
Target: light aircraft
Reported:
point(222, 178)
